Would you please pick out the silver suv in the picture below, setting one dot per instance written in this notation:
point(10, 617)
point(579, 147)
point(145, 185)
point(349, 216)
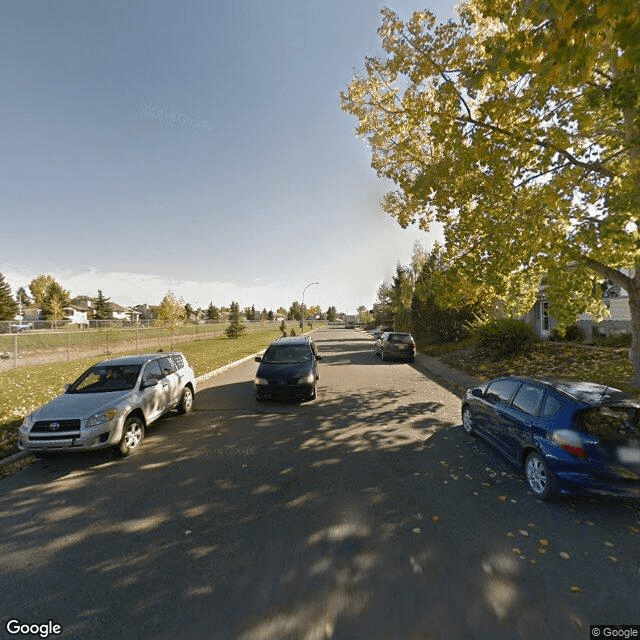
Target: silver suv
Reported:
point(111, 404)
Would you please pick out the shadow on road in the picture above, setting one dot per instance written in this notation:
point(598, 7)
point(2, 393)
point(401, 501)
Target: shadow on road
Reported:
point(353, 516)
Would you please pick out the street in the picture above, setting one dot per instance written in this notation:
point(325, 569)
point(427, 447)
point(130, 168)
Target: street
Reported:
point(367, 513)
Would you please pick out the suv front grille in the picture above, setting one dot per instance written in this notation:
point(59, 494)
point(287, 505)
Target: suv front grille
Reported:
point(55, 430)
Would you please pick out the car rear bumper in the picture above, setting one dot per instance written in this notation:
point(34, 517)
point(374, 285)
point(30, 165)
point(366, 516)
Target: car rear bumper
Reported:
point(400, 355)
point(585, 483)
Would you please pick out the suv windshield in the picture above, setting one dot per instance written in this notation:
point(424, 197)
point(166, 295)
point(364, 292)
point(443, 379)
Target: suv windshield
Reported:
point(285, 353)
point(100, 379)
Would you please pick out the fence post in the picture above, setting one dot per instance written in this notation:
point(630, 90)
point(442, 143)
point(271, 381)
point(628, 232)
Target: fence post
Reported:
point(15, 350)
point(68, 345)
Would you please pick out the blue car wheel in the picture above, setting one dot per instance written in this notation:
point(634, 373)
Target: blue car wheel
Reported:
point(538, 477)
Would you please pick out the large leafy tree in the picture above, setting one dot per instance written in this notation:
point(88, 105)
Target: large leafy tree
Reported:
point(517, 127)
point(39, 288)
point(8, 306)
point(171, 311)
point(49, 294)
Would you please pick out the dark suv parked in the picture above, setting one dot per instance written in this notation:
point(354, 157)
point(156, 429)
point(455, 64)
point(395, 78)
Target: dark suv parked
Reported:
point(393, 344)
point(288, 368)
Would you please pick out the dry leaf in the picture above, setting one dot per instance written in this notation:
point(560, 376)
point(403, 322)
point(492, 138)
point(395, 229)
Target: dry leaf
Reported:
point(544, 542)
point(576, 589)
point(564, 554)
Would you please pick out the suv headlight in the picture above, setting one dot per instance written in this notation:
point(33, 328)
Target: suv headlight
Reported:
point(259, 382)
point(308, 379)
point(27, 423)
point(103, 416)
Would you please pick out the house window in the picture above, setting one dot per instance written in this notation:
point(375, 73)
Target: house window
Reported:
point(545, 316)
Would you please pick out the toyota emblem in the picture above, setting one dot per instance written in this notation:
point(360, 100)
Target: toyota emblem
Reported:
point(54, 426)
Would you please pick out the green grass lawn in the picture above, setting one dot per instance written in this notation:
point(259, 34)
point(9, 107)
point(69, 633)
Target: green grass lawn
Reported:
point(26, 388)
point(605, 365)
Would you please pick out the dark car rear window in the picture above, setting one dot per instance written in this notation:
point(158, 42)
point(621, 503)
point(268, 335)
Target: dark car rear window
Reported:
point(618, 423)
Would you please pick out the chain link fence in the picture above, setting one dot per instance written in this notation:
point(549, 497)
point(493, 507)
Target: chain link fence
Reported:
point(45, 344)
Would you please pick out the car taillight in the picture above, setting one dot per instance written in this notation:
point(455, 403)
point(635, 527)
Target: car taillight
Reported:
point(570, 441)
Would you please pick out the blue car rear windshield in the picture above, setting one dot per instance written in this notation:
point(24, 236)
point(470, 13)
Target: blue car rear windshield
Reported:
point(610, 423)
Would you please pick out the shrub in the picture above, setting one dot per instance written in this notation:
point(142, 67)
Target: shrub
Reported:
point(504, 337)
point(616, 340)
point(574, 333)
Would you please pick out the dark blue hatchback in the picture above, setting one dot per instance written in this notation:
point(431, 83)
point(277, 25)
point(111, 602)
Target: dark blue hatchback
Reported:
point(569, 437)
point(288, 369)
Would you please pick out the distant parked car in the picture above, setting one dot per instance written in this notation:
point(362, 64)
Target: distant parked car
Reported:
point(569, 437)
point(288, 369)
point(111, 404)
point(21, 326)
point(393, 344)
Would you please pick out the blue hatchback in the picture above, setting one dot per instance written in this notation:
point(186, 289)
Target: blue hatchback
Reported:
point(569, 437)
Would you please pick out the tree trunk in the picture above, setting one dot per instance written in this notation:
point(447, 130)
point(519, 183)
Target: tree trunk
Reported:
point(634, 308)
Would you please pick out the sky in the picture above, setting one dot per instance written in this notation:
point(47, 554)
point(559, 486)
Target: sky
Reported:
point(196, 147)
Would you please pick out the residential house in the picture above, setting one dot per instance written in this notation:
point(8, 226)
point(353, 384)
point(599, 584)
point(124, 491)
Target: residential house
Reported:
point(77, 315)
point(616, 300)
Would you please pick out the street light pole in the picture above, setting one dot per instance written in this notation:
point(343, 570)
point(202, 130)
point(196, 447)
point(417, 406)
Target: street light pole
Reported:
point(303, 291)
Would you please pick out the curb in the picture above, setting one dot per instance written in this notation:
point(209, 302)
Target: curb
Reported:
point(226, 367)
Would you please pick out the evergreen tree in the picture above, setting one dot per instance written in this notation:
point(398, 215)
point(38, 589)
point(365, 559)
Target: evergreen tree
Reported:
point(23, 297)
point(235, 328)
point(8, 306)
point(103, 309)
point(213, 313)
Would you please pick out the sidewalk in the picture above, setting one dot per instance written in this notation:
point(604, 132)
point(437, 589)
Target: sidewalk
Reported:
point(455, 381)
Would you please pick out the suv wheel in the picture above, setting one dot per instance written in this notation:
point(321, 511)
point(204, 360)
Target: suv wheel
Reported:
point(186, 401)
point(132, 436)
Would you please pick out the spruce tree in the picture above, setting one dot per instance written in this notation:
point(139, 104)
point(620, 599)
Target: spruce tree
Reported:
point(8, 306)
point(103, 309)
point(235, 328)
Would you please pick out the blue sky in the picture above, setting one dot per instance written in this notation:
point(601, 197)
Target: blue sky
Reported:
point(194, 146)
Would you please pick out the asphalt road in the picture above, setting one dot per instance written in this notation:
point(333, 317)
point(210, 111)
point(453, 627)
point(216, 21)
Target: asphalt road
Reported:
point(365, 514)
